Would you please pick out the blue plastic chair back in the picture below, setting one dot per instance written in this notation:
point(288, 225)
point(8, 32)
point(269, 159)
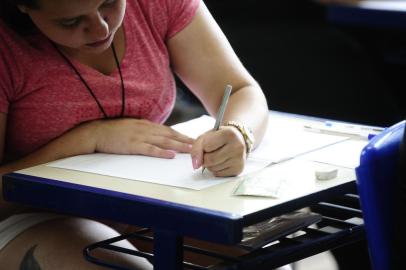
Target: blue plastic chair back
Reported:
point(376, 180)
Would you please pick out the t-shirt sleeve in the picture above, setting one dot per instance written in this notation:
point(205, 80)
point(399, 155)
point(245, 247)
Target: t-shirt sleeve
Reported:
point(5, 79)
point(10, 67)
point(180, 14)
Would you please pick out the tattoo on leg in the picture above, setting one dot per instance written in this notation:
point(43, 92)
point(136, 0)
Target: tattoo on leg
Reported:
point(29, 262)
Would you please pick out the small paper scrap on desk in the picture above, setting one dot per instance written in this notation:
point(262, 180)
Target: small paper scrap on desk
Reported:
point(290, 178)
point(258, 185)
point(273, 181)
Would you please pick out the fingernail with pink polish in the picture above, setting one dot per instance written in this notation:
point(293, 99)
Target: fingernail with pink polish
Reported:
point(196, 163)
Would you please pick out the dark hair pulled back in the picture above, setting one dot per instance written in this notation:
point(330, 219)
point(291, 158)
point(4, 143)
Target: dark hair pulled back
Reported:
point(14, 18)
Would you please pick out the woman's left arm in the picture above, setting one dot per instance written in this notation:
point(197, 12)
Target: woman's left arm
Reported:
point(203, 58)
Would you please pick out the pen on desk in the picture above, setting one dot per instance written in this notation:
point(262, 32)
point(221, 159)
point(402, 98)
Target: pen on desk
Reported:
point(349, 126)
point(343, 129)
point(222, 109)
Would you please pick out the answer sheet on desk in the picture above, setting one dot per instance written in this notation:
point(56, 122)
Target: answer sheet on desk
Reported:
point(282, 140)
point(345, 154)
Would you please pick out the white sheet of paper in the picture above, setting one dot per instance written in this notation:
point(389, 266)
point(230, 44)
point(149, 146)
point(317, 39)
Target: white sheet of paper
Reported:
point(345, 154)
point(195, 127)
point(282, 140)
point(176, 172)
point(285, 139)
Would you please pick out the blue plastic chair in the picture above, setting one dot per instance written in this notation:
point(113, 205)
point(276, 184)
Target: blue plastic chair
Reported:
point(380, 185)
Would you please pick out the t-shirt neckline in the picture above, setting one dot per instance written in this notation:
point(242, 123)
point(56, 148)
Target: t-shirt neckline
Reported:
point(127, 51)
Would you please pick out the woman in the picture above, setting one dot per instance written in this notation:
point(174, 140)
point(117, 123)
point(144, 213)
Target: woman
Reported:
point(84, 76)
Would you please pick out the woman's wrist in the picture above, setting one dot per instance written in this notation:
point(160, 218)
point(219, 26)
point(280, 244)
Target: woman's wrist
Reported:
point(246, 133)
point(92, 134)
point(78, 141)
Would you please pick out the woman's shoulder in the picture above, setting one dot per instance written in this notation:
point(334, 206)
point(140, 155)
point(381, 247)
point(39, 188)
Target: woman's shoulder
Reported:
point(147, 8)
point(21, 46)
point(10, 40)
point(6, 33)
point(167, 16)
point(157, 7)
point(19, 57)
point(10, 44)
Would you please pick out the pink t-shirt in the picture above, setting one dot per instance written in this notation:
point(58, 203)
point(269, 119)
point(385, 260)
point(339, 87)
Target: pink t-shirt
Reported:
point(43, 97)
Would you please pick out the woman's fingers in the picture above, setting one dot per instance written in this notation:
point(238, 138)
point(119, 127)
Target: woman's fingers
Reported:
point(208, 142)
point(229, 171)
point(222, 152)
point(167, 138)
point(171, 143)
point(181, 137)
point(225, 162)
point(165, 131)
point(152, 151)
point(135, 136)
point(231, 167)
point(197, 152)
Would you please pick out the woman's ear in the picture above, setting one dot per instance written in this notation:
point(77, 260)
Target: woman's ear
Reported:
point(23, 9)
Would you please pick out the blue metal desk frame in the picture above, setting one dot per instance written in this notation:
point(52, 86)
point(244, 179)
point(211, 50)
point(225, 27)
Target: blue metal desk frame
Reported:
point(169, 221)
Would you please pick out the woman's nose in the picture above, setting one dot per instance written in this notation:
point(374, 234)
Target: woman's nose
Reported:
point(98, 27)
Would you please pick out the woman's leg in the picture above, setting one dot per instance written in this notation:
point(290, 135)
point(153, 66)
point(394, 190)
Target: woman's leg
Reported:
point(58, 244)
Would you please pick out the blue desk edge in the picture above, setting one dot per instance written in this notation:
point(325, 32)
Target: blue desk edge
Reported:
point(121, 207)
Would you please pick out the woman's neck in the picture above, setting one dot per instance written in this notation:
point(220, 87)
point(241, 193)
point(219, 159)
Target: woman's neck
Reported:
point(103, 62)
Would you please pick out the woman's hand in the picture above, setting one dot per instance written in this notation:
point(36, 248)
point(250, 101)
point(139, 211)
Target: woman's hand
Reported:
point(141, 137)
point(222, 152)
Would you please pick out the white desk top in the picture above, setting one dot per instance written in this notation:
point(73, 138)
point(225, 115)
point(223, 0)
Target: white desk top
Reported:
point(215, 198)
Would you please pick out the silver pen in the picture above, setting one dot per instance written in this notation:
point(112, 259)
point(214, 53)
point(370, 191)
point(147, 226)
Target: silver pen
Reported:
point(222, 109)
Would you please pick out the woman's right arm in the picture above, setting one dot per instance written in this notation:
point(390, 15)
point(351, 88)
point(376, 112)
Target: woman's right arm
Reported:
point(121, 136)
point(77, 141)
point(54, 150)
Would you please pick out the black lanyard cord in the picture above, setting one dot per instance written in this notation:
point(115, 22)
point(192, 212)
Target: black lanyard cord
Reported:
point(88, 87)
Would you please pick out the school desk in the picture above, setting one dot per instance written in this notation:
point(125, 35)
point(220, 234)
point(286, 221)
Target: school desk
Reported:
point(213, 214)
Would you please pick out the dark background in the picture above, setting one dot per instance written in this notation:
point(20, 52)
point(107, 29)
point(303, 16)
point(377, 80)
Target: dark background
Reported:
point(307, 65)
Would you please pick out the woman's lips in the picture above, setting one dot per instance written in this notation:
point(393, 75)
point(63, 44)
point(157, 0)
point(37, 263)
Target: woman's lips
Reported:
point(99, 43)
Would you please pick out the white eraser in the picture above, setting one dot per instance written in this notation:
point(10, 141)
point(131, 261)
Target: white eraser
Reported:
point(326, 173)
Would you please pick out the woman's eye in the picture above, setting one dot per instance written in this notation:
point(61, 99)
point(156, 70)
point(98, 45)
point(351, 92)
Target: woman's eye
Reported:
point(70, 22)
